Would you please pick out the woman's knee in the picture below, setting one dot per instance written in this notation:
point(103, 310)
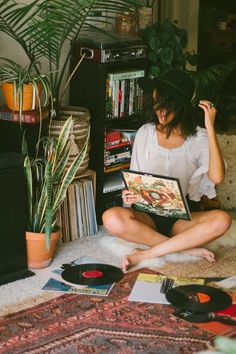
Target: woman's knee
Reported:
point(114, 219)
point(221, 221)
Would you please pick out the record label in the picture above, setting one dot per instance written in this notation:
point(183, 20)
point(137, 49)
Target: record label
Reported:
point(199, 298)
point(91, 274)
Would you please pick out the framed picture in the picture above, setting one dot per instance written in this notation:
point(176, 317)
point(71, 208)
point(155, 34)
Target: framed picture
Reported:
point(159, 195)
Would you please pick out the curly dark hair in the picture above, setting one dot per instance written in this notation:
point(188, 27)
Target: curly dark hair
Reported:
point(184, 115)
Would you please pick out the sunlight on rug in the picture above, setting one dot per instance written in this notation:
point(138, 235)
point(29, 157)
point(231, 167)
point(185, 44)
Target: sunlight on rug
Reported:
point(120, 248)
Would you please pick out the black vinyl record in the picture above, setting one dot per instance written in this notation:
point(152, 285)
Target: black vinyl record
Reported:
point(199, 298)
point(91, 274)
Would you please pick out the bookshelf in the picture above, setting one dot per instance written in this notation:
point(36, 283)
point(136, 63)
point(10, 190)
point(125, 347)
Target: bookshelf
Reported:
point(90, 88)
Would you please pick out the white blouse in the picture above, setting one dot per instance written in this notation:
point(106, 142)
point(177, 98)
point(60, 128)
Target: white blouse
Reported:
point(189, 162)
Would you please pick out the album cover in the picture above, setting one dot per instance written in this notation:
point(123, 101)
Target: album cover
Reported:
point(157, 194)
point(56, 283)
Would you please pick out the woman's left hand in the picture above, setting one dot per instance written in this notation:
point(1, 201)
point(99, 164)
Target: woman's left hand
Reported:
point(210, 113)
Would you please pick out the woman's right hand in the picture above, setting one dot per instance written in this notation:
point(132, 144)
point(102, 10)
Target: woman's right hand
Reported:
point(130, 197)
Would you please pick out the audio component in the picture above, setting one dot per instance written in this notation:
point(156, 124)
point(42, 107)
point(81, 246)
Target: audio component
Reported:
point(108, 48)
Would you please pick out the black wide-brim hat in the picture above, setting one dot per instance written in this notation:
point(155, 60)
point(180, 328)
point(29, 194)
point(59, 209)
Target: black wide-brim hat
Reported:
point(176, 83)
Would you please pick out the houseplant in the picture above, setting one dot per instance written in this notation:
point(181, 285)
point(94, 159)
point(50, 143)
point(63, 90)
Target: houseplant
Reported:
point(166, 43)
point(22, 87)
point(165, 47)
point(44, 27)
point(47, 184)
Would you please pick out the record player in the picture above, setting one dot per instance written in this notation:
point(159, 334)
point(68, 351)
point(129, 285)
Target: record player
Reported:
point(108, 47)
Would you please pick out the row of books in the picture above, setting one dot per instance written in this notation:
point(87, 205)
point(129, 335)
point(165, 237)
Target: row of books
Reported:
point(29, 117)
point(77, 215)
point(124, 96)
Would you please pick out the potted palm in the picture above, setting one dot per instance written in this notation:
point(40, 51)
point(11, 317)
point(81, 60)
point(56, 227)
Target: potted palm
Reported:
point(48, 30)
point(49, 27)
point(47, 184)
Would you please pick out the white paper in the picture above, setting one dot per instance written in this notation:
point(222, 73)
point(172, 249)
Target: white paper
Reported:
point(147, 292)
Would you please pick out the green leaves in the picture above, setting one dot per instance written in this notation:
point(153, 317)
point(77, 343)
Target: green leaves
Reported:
point(166, 43)
point(44, 27)
point(48, 180)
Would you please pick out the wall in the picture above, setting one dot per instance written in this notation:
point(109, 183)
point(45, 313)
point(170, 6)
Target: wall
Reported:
point(186, 13)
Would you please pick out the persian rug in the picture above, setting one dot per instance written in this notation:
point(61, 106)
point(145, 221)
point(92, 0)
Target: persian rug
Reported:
point(86, 324)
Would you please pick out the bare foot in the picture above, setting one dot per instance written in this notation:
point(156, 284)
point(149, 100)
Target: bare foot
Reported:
point(133, 258)
point(139, 255)
point(201, 252)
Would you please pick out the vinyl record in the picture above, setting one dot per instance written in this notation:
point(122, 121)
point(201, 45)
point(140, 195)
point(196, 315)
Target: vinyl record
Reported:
point(198, 298)
point(91, 274)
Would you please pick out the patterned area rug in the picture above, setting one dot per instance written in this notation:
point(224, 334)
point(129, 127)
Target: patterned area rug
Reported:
point(225, 266)
point(83, 324)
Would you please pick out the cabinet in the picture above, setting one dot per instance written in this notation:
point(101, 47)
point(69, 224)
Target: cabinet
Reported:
point(88, 89)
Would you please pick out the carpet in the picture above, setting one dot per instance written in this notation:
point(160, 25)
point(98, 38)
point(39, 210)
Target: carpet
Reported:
point(85, 324)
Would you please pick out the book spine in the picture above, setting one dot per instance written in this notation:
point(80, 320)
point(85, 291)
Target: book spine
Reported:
point(118, 150)
point(126, 75)
point(119, 144)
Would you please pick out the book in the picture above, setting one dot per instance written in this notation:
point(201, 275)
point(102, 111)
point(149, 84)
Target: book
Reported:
point(111, 136)
point(157, 194)
point(125, 74)
point(57, 283)
point(30, 117)
point(120, 147)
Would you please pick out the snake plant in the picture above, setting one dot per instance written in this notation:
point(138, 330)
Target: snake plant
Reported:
point(48, 180)
point(43, 27)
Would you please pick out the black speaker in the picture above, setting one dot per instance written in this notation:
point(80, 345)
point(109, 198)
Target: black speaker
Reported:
point(13, 259)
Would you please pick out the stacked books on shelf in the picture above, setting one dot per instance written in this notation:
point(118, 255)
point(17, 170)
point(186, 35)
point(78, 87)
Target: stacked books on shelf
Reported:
point(117, 151)
point(117, 155)
point(77, 214)
point(124, 97)
point(30, 117)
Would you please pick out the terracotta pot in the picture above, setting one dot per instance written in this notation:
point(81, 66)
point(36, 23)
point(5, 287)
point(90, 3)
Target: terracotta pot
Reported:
point(8, 91)
point(37, 256)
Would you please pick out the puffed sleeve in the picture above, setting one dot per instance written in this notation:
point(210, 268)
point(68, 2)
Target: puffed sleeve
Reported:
point(199, 183)
point(139, 150)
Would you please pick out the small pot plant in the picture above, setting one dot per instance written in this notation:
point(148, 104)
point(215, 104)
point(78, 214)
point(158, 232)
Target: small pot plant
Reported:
point(23, 86)
point(48, 178)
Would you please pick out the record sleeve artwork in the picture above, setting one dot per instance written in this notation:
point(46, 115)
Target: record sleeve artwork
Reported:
point(157, 194)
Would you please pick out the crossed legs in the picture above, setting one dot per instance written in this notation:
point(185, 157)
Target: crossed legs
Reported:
point(187, 236)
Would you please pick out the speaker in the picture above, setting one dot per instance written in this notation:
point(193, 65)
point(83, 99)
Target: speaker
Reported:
point(13, 259)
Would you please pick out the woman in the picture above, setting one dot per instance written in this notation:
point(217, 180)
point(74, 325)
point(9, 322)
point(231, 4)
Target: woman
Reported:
point(173, 145)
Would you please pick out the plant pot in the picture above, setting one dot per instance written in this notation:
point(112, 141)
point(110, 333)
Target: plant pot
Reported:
point(28, 102)
point(37, 256)
point(81, 122)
